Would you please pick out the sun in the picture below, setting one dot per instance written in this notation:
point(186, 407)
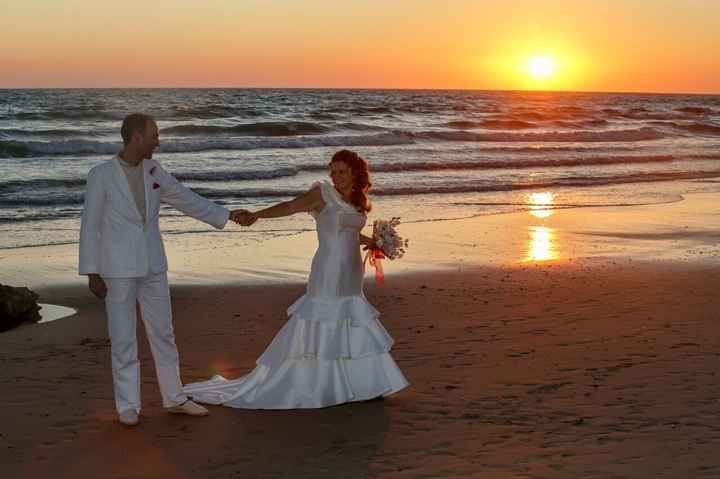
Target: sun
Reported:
point(541, 67)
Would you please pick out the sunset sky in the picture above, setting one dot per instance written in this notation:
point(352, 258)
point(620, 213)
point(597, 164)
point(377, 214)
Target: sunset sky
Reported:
point(608, 45)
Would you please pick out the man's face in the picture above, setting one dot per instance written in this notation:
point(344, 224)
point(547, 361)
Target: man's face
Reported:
point(150, 140)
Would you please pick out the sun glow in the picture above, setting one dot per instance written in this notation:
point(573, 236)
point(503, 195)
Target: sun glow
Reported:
point(541, 67)
point(543, 64)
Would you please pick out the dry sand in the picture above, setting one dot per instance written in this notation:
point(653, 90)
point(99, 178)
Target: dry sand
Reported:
point(591, 363)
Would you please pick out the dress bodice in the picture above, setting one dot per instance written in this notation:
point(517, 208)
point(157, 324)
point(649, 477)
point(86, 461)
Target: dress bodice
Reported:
point(337, 265)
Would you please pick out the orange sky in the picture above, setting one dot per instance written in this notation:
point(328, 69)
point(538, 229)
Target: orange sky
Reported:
point(610, 45)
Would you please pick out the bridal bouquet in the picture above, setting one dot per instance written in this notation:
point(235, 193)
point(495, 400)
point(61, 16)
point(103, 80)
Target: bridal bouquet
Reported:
point(388, 244)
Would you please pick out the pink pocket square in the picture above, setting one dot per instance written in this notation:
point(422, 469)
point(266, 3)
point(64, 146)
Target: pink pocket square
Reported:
point(156, 186)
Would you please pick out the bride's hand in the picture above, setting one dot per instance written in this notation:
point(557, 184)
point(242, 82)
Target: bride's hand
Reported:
point(243, 217)
point(370, 246)
point(367, 242)
point(247, 218)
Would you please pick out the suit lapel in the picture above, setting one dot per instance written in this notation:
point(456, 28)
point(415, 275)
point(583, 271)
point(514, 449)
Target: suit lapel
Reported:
point(147, 181)
point(122, 183)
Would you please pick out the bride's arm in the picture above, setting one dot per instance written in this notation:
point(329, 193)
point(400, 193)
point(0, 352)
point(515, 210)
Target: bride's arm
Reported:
point(312, 200)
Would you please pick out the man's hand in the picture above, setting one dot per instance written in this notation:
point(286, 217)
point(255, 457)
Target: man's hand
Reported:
point(97, 285)
point(243, 217)
point(235, 215)
point(247, 219)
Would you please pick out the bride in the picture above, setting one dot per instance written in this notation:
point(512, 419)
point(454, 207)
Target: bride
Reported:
point(333, 349)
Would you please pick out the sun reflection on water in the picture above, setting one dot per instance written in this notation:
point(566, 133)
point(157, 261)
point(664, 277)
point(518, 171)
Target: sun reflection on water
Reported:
point(539, 203)
point(541, 244)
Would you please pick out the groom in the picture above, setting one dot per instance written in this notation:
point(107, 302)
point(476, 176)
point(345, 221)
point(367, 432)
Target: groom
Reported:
point(122, 254)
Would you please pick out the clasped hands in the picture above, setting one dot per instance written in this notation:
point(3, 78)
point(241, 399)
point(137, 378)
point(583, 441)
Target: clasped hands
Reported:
point(243, 217)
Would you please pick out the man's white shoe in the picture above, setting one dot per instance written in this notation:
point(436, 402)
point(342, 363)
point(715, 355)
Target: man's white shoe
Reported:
point(129, 417)
point(190, 408)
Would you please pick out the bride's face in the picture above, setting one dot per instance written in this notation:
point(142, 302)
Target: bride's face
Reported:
point(341, 176)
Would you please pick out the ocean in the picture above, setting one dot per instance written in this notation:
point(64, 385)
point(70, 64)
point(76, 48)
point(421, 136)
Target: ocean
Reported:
point(434, 155)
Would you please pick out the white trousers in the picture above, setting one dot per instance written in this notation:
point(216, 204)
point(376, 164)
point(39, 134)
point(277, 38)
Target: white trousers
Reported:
point(152, 293)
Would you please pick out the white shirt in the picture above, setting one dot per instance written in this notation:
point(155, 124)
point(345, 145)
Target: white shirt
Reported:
point(134, 175)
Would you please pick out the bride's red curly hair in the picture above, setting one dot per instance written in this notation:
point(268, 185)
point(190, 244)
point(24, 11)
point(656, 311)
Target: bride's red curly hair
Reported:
point(361, 173)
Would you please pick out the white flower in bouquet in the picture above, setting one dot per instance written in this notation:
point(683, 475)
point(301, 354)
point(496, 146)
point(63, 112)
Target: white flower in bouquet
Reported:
point(387, 238)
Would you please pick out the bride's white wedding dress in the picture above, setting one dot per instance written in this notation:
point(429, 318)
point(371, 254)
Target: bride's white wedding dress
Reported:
point(333, 349)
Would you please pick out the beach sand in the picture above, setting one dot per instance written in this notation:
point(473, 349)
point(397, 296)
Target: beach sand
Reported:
point(582, 344)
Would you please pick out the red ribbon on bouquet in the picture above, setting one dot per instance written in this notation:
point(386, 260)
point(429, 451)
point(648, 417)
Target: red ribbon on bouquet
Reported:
point(375, 255)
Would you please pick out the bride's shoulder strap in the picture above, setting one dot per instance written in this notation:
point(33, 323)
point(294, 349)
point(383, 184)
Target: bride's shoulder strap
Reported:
point(326, 189)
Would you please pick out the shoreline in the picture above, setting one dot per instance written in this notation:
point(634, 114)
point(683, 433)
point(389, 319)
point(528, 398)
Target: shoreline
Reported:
point(686, 230)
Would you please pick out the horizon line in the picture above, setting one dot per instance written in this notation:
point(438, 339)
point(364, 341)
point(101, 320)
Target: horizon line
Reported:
point(617, 92)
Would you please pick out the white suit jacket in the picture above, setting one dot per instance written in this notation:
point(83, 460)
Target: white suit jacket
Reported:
point(114, 241)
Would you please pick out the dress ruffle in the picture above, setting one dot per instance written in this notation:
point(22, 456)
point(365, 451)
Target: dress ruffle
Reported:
point(329, 352)
point(331, 196)
point(342, 328)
